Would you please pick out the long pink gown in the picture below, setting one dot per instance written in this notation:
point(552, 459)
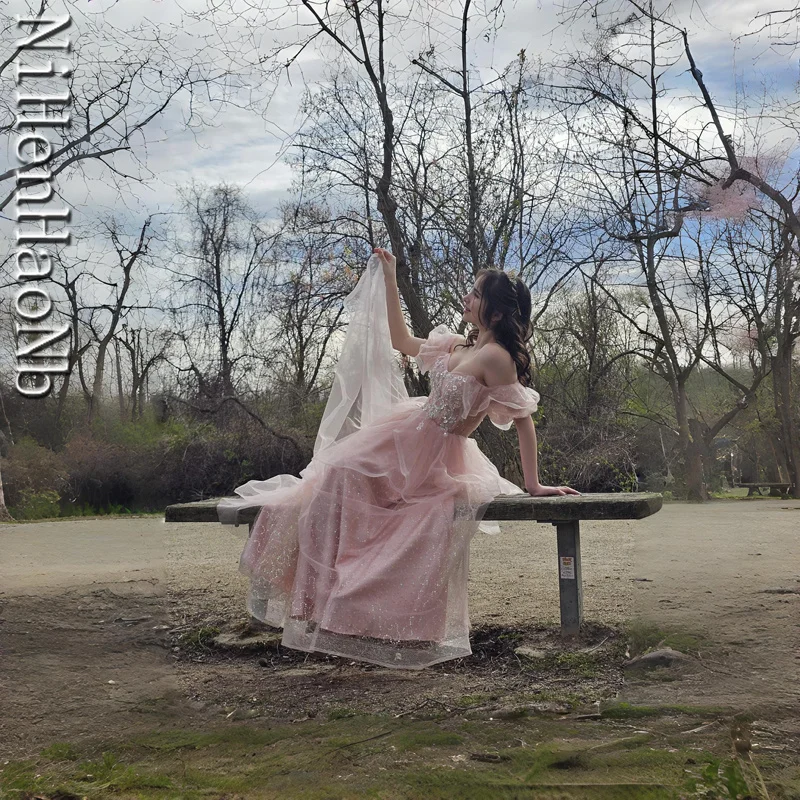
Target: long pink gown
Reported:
point(366, 556)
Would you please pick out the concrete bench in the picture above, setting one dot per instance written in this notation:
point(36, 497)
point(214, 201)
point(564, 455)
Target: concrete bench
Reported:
point(565, 513)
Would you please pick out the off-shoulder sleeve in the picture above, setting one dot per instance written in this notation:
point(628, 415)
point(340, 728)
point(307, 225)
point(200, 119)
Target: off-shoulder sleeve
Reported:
point(439, 341)
point(507, 403)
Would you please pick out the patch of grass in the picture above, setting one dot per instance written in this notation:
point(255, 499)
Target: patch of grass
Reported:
point(719, 779)
point(446, 784)
point(342, 713)
point(200, 637)
point(685, 642)
point(632, 742)
point(552, 758)
point(412, 740)
point(511, 637)
point(629, 711)
point(18, 776)
point(110, 774)
point(644, 636)
point(374, 756)
point(241, 736)
point(98, 778)
point(567, 696)
point(585, 665)
point(467, 700)
point(61, 751)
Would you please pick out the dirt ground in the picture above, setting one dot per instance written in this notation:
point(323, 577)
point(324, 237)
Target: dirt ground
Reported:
point(104, 627)
point(728, 572)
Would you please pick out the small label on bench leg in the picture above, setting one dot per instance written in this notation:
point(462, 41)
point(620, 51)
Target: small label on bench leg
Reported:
point(566, 566)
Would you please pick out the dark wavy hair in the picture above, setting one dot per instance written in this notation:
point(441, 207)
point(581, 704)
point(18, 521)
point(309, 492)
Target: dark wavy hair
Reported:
point(512, 300)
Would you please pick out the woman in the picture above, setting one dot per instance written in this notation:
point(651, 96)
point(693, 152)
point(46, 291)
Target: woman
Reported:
point(366, 554)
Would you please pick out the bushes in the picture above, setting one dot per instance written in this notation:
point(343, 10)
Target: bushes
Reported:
point(30, 470)
point(36, 505)
point(119, 467)
point(588, 458)
point(99, 473)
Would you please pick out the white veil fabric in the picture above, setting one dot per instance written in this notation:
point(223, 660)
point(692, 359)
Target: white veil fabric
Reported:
point(368, 383)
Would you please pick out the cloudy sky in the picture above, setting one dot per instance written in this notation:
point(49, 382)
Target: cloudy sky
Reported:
point(247, 146)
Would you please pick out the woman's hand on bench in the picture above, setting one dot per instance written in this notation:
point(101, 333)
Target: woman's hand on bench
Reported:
point(548, 491)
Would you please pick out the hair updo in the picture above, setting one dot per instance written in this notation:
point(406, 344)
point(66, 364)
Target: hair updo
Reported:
point(511, 298)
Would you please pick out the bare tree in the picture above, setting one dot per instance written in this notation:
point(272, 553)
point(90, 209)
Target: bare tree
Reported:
point(118, 307)
point(782, 25)
point(125, 82)
point(216, 280)
point(360, 31)
point(306, 298)
point(146, 348)
point(763, 266)
point(80, 336)
point(461, 88)
point(96, 301)
point(587, 362)
point(638, 166)
point(721, 166)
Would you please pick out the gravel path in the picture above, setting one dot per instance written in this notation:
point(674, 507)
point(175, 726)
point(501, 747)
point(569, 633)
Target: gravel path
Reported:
point(87, 609)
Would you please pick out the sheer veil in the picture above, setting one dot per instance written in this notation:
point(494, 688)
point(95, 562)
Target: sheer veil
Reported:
point(367, 383)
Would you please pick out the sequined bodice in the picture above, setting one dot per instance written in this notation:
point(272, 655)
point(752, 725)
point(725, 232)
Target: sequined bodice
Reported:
point(445, 404)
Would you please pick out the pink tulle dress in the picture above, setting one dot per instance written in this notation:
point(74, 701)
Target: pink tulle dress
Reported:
point(366, 555)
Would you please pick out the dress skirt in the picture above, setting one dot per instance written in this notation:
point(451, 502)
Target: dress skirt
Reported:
point(366, 554)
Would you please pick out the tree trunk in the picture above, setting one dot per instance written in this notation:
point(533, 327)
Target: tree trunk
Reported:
point(4, 515)
point(691, 444)
point(120, 391)
point(782, 392)
point(697, 455)
point(97, 383)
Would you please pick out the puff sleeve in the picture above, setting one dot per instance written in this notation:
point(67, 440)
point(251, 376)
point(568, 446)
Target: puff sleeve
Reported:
point(507, 403)
point(439, 341)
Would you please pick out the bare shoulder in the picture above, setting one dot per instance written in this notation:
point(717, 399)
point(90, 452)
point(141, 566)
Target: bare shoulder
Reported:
point(497, 365)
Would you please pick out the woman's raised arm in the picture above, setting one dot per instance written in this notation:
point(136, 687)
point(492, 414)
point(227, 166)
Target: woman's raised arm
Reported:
point(402, 339)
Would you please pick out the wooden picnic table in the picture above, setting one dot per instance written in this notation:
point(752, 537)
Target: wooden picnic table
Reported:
point(776, 488)
point(564, 513)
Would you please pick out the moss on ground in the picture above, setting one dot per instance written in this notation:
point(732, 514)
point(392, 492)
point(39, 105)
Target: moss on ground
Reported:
point(357, 755)
point(644, 636)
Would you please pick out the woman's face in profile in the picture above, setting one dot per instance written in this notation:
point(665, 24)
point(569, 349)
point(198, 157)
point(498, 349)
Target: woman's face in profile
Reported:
point(472, 305)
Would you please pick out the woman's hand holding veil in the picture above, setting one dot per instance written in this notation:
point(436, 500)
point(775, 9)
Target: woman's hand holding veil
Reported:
point(388, 261)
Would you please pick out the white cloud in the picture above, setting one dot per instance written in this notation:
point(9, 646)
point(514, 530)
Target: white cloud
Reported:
point(247, 148)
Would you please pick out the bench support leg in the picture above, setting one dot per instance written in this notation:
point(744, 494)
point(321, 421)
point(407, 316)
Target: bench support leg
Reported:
point(569, 576)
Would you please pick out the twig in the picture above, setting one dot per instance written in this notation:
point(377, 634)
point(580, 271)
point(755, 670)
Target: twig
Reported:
point(361, 741)
point(701, 728)
point(410, 710)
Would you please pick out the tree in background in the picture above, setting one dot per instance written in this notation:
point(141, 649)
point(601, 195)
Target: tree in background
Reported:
point(305, 299)
point(586, 361)
point(727, 167)
point(645, 169)
point(218, 278)
point(124, 83)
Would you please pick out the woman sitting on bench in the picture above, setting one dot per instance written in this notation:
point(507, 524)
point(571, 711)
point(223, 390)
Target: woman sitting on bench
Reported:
point(366, 554)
